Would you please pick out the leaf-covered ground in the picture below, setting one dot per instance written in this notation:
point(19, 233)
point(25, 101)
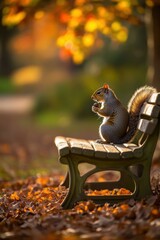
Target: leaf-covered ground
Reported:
point(30, 209)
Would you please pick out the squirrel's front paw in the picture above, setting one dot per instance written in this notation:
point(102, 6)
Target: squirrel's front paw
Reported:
point(96, 106)
point(95, 109)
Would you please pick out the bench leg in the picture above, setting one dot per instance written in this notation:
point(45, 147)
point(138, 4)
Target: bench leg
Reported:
point(144, 183)
point(75, 193)
point(65, 182)
point(127, 180)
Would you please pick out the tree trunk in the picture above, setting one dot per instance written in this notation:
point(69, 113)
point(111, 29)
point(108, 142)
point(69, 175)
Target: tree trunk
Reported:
point(5, 59)
point(153, 27)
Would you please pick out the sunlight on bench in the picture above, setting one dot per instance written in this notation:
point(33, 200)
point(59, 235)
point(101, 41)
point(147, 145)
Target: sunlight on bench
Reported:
point(132, 161)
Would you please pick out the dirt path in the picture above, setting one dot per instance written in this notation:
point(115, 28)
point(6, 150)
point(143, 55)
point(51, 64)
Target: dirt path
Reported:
point(16, 104)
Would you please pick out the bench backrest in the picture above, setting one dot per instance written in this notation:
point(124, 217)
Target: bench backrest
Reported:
point(149, 116)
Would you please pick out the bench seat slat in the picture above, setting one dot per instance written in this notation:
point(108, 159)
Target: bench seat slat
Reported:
point(155, 98)
point(62, 145)
point(93, 149)
point(125, 151)
point(81, 146)
point(88, 150)
point(150, 110)
point(75, 146)
point(137, 151)
point(112, 152)
point(100, 151)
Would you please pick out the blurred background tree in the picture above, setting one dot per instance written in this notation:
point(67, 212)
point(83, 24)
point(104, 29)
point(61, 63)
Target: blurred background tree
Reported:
point(81, 22)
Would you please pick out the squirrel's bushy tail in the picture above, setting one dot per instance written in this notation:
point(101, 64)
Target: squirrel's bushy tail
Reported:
point(134, 107)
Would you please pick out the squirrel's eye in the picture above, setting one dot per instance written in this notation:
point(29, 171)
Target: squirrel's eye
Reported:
point(98, 93)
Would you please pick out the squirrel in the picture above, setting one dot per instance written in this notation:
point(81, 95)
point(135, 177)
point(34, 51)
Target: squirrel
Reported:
point(119, 124)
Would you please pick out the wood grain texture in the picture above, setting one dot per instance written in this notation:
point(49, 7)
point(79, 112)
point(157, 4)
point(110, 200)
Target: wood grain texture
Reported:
point(125, 151)
point(112, 152)
point(75, 146)
point(81, 146)
point(100, 151)
point(88, 149)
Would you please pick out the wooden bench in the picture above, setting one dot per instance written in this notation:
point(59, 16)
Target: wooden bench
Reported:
point(132, 160)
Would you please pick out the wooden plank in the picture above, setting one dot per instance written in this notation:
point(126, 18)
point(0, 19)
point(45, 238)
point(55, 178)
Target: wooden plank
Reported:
point(150, 110)
point(63, 149)
point(100, 151)
point(137, 150)
point(60, 139)
point(75, 146)
point(81, 146)
point(112, 152)
point(88, 149)
point(62, 145)
point(125, 151)
point(155, 98)
point(147, 126)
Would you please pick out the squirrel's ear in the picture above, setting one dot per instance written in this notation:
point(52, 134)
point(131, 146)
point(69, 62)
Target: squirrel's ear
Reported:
point(106, 86)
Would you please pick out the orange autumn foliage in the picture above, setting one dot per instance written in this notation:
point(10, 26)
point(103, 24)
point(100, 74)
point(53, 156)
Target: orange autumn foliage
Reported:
point(78, 22)
point(14, 196)
point(106, 192)
point(32, 206)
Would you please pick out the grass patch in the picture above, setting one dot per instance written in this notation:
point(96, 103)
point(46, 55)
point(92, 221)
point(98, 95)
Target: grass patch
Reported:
point(13, 168)
point(6, 86)
point(52, 119)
